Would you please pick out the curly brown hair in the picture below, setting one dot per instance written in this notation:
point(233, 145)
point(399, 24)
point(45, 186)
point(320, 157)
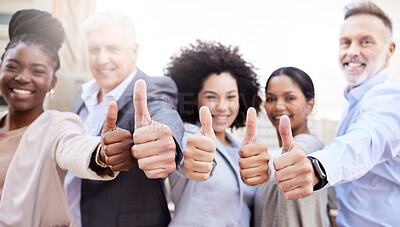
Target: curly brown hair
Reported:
point(197, 62)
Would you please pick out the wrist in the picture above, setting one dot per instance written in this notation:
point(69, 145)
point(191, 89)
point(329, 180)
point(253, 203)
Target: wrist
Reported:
point(320, 178)
point(99, 160)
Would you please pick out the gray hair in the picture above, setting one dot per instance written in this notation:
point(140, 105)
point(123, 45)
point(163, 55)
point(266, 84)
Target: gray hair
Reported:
point(110, 19)
point(370, 8)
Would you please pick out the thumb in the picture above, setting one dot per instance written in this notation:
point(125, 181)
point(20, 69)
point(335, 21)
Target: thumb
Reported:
point(111, 118)
point(250, 134)
point(286, 133)
point(206, 122)
point(142, 116)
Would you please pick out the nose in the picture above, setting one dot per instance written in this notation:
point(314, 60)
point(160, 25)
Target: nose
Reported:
point(353, 50)
point(222, 105)
point(103, 57)
point(280, 105)
point(23, 77)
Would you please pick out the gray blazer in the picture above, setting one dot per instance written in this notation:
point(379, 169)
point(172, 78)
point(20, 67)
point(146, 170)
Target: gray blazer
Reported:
point(132, 199)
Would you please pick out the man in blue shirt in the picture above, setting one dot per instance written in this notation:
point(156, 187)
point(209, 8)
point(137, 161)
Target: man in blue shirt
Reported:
point(364, 158)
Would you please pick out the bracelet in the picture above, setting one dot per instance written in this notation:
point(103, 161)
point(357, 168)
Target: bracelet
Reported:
point(98, 160)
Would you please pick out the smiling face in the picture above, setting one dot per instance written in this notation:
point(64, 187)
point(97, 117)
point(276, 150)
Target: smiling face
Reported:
point(112, 58)
point(284, 97)
point(26, 76)
point(220, 94)
point(364, 48)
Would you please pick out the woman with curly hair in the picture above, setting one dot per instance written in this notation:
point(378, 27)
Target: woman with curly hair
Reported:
point(216, 76)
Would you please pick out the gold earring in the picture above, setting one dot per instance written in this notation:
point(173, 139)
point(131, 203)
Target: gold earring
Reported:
point(50, 93)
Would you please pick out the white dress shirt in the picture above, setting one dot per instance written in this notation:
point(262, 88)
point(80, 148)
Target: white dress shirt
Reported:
point(93, 115)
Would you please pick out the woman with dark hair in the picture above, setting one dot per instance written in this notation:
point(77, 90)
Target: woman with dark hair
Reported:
point(290, 91)
point(216, 76)
point(38, 146)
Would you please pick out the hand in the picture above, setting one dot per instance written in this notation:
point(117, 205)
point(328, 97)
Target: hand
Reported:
point(115, 142)
point(154, 147)
point(294, 170)
point(199, 151)
point(253, 161)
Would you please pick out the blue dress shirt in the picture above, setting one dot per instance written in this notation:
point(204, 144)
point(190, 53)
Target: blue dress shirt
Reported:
point(365, 154)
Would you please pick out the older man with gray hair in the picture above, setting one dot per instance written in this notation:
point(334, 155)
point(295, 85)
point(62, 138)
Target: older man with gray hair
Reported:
point(132, 199)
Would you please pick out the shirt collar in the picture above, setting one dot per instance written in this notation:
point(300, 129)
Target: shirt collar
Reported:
point(358, 92)
point(91, 89)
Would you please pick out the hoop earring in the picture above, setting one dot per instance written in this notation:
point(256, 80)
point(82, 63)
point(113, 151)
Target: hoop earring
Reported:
point(50, 93)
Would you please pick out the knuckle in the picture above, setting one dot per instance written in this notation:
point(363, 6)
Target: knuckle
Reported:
point(242, 163)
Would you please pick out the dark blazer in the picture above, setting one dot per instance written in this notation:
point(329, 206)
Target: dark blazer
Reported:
point(132, 199)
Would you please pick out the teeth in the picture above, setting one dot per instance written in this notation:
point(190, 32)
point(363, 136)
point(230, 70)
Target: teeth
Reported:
point(354, 64)
point(22, 92)
point(105, 71)
point(221, 117)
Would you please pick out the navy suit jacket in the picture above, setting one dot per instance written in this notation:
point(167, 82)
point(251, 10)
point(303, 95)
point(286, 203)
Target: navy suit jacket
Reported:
point(132, 199)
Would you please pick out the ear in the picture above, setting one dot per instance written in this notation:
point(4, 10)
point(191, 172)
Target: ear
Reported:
point(392, 47)
point(53, 82)
point(310, 105)
point(135, 50)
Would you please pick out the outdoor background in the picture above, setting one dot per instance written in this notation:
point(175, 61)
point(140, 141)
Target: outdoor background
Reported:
point(270, 34)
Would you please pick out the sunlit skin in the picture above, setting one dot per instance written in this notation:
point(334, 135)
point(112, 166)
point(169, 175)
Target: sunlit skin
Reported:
point(112, 57)
point(220, 94)
point(284, 97)
point(26, 76)
point(364, 50)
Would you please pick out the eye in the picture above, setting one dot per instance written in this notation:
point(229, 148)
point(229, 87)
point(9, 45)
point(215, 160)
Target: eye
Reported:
point(94, 50)
point(113, 49)
point(10, 67)
point(231, 96)
point(344, 43)
point(211, 97)
point(38, 72)
point(366, 42)
point(290, 98)
point(270, 99)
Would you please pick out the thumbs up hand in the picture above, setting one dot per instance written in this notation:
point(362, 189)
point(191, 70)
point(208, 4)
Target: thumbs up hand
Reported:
point(154, 146)
point(253, 161)
point(199, 151)
point(115, 143)
point(294, 170)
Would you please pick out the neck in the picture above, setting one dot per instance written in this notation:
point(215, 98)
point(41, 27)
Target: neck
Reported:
point(222, 138)
point(20, 119)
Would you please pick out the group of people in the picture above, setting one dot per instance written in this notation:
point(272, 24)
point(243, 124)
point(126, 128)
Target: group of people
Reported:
point(105, 165)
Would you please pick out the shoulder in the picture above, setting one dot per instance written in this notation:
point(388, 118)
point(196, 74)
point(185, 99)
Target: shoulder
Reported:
point(190, 129)
point(308, 143)
point(58, 120)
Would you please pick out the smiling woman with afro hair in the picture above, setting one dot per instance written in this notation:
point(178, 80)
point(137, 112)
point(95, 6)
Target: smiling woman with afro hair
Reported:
point(213, 75)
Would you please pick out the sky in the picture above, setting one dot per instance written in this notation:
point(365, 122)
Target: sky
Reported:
point(270, 34)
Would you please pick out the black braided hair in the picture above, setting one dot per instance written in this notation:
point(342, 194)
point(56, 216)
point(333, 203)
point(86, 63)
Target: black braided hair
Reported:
point(36, 27)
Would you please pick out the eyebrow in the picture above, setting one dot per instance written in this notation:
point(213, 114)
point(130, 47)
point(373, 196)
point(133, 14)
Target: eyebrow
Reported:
point(286, 93)
point(212, 92)
point(35, 64)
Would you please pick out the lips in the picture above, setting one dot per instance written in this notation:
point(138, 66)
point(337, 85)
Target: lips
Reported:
point(220, 119)
point(105, 71)
point(353, 63)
